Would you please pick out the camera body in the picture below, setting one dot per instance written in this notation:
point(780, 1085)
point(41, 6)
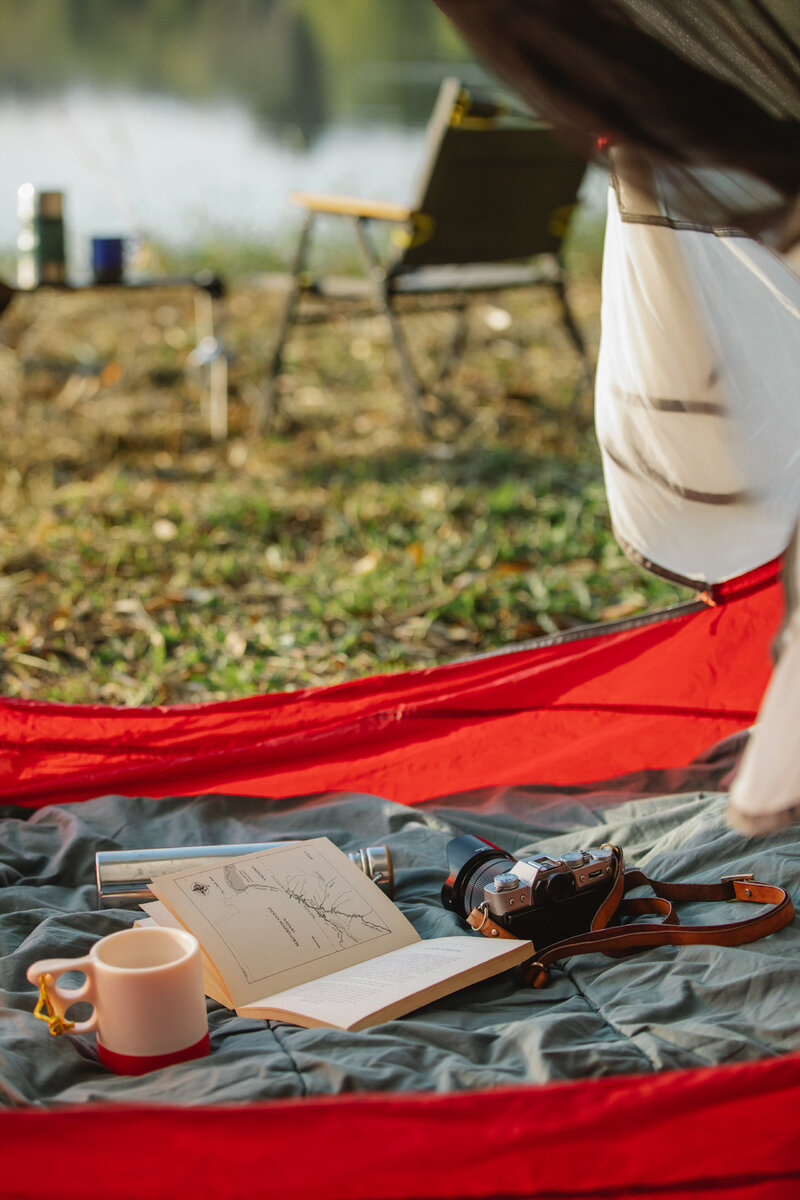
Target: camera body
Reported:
point(538, 897)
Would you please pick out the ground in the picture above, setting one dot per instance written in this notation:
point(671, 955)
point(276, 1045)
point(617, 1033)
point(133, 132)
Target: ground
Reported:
point(143, 563)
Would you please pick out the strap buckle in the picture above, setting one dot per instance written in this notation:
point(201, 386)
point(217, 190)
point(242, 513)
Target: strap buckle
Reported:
point(732, 880)
point(484, 908)
point(539, 974)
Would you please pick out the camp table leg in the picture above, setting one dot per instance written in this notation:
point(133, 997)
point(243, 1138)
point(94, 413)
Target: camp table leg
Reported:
point(215, 403)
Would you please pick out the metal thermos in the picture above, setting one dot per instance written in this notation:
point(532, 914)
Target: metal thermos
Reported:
point(123, 876)
point(41, 256)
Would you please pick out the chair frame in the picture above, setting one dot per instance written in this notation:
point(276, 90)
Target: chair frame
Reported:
point(455, 283)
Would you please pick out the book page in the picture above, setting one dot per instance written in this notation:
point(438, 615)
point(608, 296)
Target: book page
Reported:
point(159, 914)
point(393, 984)
point(277, 918)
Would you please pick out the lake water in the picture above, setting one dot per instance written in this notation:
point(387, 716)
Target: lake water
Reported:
point(175, 121)
point(162, 168)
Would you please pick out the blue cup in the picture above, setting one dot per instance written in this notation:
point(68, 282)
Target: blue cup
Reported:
point(107, 259)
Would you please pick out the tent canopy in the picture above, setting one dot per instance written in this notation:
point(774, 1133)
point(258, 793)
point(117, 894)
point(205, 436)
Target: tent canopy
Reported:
point(709, 91)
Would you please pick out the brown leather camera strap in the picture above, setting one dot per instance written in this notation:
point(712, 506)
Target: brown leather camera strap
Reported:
point(608, 935)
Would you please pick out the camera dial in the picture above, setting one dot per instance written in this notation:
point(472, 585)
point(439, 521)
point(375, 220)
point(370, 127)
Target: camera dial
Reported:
point(505, 882)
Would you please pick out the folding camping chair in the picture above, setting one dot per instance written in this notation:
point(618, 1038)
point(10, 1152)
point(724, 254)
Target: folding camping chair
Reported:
point(493, 207)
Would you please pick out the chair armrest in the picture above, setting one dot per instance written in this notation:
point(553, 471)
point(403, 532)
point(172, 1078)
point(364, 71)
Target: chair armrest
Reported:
point(351, 206)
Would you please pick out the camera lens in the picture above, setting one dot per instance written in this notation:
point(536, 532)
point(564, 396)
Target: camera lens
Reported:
point(561, 886)
point(476, 882)
point(473, 864)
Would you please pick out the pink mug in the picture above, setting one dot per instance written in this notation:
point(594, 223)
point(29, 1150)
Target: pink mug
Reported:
point(146, 988)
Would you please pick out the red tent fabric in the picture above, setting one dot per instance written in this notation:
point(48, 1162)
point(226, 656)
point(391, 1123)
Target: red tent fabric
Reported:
point(641, 694)
point(638, 695)
point(725, 1132)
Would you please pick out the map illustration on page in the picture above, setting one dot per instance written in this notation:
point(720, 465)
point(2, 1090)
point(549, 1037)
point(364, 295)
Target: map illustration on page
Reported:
point(299, 933)
point(319, 911)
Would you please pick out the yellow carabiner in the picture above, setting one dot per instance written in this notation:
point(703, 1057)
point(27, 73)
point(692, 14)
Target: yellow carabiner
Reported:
point(44, 1010)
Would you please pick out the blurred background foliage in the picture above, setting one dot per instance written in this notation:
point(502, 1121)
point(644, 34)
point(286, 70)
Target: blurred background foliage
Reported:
point(296, 64)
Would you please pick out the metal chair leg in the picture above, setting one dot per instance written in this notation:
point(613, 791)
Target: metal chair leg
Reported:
point(268, 404)
point(412, 386)
point(570, 324)
point(457, 344)
point(586, 381)
point(410, 381)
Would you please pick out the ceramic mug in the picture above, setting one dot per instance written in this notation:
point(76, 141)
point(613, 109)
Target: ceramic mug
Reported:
point(146, 988)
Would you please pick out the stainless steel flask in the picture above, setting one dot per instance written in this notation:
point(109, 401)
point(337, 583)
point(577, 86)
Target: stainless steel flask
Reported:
point(123, 876)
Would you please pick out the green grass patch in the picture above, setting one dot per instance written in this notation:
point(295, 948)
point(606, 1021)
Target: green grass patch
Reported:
point(142, 564)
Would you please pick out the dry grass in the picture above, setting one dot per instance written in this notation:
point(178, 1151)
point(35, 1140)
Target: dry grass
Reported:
point(141, 563)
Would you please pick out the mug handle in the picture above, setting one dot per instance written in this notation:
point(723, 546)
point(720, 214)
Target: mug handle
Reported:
point(45, 973)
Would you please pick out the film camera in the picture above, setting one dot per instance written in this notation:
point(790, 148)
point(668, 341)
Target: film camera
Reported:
point(538, 897)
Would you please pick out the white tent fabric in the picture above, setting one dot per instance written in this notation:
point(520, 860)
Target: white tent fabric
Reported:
point(698, 396)
point(766, 791)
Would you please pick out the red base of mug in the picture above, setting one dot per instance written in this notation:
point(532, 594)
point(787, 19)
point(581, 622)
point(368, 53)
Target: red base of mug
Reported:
point(140, 1064)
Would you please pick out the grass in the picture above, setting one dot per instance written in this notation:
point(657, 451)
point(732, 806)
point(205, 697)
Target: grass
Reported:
point(142, 564)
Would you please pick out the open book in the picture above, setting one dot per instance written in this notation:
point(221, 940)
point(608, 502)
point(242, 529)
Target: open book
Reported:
point(298, 933)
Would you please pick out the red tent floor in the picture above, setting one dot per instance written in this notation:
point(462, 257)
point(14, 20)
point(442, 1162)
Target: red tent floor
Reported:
point(640, 695)
point(725, 1131)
